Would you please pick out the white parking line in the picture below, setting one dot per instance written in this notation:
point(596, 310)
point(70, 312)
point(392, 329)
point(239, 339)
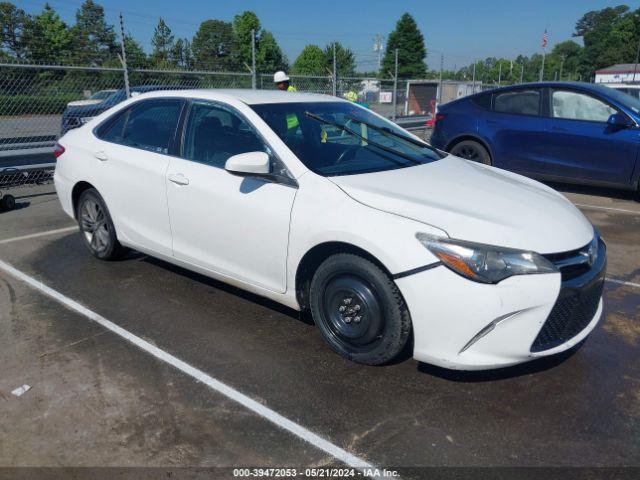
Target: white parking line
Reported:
point(597, 207)
point(229, 392)
point(620, 282)
point(36, 235)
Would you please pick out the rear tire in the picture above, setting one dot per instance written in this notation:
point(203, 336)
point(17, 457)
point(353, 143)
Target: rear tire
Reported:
point(359, 310)
point(96, 227)
point(8, 202)
point(471, 150)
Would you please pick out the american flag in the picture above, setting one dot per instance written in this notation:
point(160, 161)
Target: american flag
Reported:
point(545, 39)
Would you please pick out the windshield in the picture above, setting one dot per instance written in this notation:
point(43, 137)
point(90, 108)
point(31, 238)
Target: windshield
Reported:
point(626, 99)
point(340, 138)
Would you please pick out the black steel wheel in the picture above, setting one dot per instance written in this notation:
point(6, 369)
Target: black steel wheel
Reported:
point(8, 202)
point(471, 150)
point(96, 226)
point(359, 310)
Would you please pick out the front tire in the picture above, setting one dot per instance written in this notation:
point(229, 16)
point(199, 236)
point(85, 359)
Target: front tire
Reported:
point(96, 227)
point(359, 310)
point(471, 150)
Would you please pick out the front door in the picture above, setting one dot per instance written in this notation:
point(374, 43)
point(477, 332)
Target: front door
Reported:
point(236, 226)
point(583, 145)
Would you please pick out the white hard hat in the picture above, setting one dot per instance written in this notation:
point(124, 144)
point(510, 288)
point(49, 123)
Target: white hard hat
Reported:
point(280, 77)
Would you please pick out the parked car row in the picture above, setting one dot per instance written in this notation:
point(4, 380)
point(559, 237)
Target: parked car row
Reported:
point(569, 132)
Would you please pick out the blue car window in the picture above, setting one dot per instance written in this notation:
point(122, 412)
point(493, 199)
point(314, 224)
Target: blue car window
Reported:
point(579, 106)
point(520, 102)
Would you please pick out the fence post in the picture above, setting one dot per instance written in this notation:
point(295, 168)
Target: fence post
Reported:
point(335, 74)
point(123, 59)
point(440, 85)
point(253, 60)
point(395, 86)
point(474, 77)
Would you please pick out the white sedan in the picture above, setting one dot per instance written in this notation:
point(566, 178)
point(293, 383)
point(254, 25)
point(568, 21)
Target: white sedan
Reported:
point(322, 205)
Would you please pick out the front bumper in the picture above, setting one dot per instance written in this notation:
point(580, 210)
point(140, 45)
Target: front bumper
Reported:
point(463, 325)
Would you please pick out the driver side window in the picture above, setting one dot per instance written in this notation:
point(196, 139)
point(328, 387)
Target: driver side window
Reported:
point(213, 134)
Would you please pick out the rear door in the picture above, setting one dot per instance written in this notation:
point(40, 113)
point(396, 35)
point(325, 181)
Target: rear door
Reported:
point(581, 144)
point(515, 128)
point(132, 157)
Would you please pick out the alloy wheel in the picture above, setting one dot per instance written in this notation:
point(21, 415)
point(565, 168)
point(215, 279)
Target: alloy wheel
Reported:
point(95, 227)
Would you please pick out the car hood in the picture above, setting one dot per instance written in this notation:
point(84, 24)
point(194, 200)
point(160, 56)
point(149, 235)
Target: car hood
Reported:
point(475, 202)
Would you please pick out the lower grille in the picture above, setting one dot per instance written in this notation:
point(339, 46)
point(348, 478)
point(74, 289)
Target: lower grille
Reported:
point(570, 315)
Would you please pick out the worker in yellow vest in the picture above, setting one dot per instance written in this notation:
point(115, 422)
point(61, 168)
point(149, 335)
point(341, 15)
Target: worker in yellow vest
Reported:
point(283, 82)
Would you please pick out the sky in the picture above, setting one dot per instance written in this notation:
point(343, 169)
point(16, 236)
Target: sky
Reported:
point(461, 30)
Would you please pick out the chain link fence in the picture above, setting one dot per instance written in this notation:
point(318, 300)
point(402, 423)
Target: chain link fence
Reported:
point(38, 103)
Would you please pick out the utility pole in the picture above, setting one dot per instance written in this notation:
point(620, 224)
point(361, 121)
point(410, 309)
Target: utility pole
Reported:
point(253, 60)
point(635, 67)
point(561, 66)
point(499, 73)
point(395, 86)
point(378, 46)
point(522, 73)
point(335, 74)
point(441, 69)
point(123, 59)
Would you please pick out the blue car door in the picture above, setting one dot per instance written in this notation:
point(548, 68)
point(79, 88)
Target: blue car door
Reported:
point(515, 129)
point(581, 144)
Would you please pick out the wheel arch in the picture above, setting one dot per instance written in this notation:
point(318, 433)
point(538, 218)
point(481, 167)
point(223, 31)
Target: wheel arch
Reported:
point(314, 257)
point(76, 192)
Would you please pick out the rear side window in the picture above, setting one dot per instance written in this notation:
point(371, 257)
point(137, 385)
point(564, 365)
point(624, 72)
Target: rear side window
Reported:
point(148, 125)
point(520, 102)
point(483, 100)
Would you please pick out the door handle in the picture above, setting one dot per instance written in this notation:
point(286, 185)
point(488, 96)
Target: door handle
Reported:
point(101, 156)
point(178, 179)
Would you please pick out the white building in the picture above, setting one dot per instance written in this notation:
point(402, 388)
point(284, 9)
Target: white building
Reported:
point(621, 73)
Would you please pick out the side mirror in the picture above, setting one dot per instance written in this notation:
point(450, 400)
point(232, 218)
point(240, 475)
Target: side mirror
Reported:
point(619, 120)
point(250, 163)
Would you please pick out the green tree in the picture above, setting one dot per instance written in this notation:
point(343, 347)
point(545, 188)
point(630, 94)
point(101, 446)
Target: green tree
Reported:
point(162, 42)
point(269, 56)
point(345, 60)
point(94, 39)
point(180, 54)
point(243, 24)
point(212, 45)
point(136, 58)
point(311, 61)
point(412, 52)
point(12, 24)
point(609, 35)
point(47, 38)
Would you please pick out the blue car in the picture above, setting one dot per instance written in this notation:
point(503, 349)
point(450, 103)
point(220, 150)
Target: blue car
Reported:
point(558, 131)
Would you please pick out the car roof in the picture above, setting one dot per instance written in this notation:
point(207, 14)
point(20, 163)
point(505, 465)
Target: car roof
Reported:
point(595, 87)
point(248, 96)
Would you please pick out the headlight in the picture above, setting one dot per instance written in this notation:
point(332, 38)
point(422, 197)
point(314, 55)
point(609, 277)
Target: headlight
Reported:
point(484, 263)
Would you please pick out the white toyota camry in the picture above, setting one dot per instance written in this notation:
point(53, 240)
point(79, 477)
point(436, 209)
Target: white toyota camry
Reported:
point(322, 205)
